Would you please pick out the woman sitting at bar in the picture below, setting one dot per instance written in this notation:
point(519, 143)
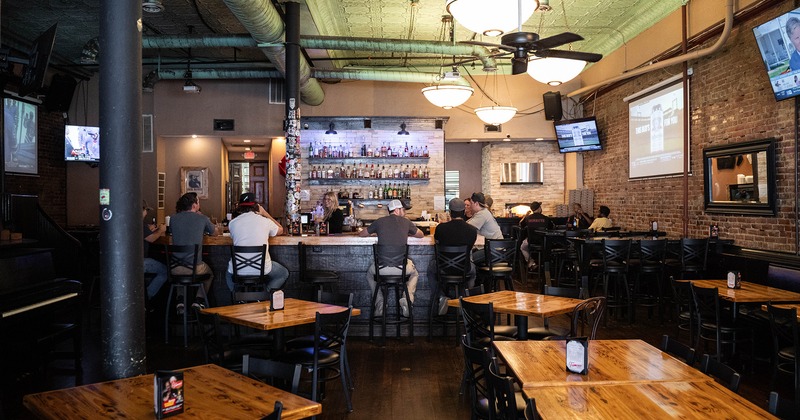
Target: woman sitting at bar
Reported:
point(333, 214)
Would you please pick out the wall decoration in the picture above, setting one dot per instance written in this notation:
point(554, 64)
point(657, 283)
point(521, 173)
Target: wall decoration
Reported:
point(194, 179)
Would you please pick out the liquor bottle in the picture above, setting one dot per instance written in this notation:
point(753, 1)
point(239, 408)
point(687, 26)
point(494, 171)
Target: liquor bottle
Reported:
point(407, 172)
point(396, 172)
point(369, 151)
point(311, 149)
point(425, 152)
point(363, 149)
point(405, 151)
point(389, 151)
point(414, 172)
point(383, 150)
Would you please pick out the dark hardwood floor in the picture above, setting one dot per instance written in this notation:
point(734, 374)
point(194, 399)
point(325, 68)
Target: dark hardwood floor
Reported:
point(398, 381)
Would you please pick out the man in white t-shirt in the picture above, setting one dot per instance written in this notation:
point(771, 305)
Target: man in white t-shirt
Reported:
point(253, 226)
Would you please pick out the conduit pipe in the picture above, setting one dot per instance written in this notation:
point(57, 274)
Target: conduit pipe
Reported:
point(199, 41)
point(201, 74)
point(388, 76)
point(723, 38)
point(265, 25)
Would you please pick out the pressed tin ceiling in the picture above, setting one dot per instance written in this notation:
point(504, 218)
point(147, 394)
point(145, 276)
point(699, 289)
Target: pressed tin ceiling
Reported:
point(605, 24)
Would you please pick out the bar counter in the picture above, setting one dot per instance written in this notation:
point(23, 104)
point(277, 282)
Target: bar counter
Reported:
point(347, 253)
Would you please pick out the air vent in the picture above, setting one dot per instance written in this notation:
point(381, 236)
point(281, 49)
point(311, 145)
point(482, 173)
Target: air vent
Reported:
point(489, 128)
point(147, 133)
point(223, 125)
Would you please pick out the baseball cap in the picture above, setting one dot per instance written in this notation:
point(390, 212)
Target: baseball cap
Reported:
point(247, 198)
point(479, 198)
point(394, 205)
point(536, 206)
point(457, 204)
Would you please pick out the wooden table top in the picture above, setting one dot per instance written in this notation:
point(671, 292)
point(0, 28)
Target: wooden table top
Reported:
point(750, 292)
point(785, 306)
point(542, 363)
point(210, 392)
point(520, 303)
point(257, 315)
point(657, 400)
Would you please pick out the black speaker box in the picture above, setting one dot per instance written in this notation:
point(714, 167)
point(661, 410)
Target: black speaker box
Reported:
point(552, 106)
point(59, 95)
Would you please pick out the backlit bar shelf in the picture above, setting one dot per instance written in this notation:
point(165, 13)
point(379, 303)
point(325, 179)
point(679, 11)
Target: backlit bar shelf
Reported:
point(361, 181)
point(369, 160)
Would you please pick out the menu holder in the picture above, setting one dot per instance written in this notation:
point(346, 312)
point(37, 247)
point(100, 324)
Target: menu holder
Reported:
point(276, 301)
point(713, 231)
point(734, 279)
point(168, 393)
point(578, 355)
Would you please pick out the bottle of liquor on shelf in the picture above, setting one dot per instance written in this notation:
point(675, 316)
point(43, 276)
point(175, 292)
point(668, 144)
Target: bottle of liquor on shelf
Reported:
point(369, 151)
point(414, 172)
point(363, 149)
point(383, 150)
point(405, 150)
point(311, 149)
point(396, 172)
point(407, 172)
point(330, 172)
point(425, 152)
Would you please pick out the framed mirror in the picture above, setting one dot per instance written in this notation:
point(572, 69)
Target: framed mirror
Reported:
point(740, 178)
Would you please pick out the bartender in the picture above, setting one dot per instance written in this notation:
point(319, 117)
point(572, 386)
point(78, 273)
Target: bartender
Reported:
point(332, 215)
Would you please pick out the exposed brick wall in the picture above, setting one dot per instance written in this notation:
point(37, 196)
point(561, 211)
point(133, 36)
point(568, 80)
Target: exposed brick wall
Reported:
point(51, 183)
point(730, 102)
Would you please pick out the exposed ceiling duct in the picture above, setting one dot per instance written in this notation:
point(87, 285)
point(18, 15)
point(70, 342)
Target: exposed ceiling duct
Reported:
point(389, 76)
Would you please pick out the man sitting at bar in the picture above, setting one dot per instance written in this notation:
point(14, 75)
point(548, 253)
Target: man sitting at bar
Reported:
point(252, 225)
point(393, 229)
point(453, 233)
point(535, 220)
point(188, 226)
point(482, 220)
point(579, 218)
point(151, 232)
point(602, 221)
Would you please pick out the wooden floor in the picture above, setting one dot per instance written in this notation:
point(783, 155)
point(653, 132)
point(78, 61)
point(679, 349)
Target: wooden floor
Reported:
point(398, 381)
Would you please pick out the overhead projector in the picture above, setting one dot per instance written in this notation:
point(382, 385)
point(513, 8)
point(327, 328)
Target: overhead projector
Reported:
point(191, 88)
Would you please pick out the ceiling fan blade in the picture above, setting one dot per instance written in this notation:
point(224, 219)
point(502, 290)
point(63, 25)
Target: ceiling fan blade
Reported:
point(555, 41)
point(574, 55)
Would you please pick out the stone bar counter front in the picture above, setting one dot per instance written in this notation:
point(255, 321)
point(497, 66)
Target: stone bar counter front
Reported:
point(348, 254)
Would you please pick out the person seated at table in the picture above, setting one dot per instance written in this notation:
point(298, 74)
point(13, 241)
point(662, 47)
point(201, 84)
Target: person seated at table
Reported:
point(602, 221)
point(579, 219)
point(453, 233)
point(534, 220)
point(252, 225)
point(151, 232)
point(333, 215)
point(467, 209)
point(484, 221)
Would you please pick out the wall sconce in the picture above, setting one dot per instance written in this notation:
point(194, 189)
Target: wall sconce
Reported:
point(403, 131)
point(331, 129)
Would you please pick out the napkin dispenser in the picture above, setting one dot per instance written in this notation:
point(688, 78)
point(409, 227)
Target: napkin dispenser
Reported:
point(578, 355)
point(734, 279)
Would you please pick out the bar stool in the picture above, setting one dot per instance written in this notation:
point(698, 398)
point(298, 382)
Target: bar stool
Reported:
point(184, 259)
point(452, 268)
point(648, 291)
point(616, 256)
point(501, 256)
point(390, 274)
point(694, 257)
point(249, 287)
point(318, 278)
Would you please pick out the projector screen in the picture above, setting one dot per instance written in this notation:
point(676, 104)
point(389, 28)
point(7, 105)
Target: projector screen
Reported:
point(656, 131)
point(19, 125)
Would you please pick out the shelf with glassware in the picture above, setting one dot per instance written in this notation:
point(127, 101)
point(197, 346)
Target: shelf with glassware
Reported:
point(367, 172)
point(324, 150)
point(362, 181)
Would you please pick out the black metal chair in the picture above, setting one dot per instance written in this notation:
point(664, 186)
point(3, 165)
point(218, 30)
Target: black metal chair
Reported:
point(475, 372)
point(479, 323)
point(324, 362)
point(530, 410)
point(276, 413)
point(452, 268)
point(713, 327)
point(317, 278)
point(539, 333)
point(222, 352)
point(786, 343)
point(694, 257)
point(616, 255)
point(783, 408)
point(648, 290)
point(683, 307)
point(678, 349)
point(723, 373)
point(504, 330)
point(536, 249)
point(281, 375)
point(183, 259)
point(586, 319)
point(500, 261)
point(391, 258)
point(249, 287)
point(508, 404)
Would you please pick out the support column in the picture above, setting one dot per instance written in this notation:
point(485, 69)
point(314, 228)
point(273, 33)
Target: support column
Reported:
point(292, 124)
point(121, 273)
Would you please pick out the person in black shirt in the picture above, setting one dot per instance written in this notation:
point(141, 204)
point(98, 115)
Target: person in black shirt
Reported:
point(533, 220)
point(333, 214)
point(584, 220)
point(455, 232)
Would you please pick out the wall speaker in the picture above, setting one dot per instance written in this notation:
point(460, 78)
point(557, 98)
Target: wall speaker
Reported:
point(59, 95)
point(552, 106)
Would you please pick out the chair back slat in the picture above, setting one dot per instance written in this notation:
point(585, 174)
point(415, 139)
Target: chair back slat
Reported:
point(185, 256)
point(478, 320)
point(285, 376)
point(452, 261)
point(501, 252)
point(678, 349)
point(586, 317)
point(331, 329)
point(503, 389)
point(250, 258)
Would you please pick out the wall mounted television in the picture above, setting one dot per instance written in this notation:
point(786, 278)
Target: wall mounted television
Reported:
point(81, 143)
point(578, 135)
point(38, 59)
point(19, 131)
point(778, 42)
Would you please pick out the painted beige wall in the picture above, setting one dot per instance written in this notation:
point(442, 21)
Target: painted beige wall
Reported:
point(205, 152)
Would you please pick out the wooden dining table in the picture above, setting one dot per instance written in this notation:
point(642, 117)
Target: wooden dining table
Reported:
point(522, 305)
point(543, 363)
point(749, 293)
point(258, 315)
point(210, 392)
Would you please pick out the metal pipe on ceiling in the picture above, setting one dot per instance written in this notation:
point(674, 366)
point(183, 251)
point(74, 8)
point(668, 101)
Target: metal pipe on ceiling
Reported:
point(389, 76)
point(199, 41)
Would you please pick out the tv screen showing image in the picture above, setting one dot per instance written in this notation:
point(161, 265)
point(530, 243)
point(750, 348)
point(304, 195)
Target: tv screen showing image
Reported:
point(578, 135)
point(81, 143)
point(19, 129)
point(778, 42)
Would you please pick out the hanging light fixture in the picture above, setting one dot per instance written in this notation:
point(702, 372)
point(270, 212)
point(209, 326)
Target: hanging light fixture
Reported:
point(555, 71)
point(331, 129)
point(552, 70)
point(495, 114)
point(493, 19)
point(403, 131)
point(447, 96)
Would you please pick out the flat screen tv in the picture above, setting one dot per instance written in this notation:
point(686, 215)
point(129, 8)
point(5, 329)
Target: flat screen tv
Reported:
point(19, 131)
point(778, 41)
point(578, 135)
point(81, 143)
point(38, 59)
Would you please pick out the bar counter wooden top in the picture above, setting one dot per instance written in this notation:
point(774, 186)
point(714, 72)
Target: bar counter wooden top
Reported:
point(335, 239)
point(211, 392)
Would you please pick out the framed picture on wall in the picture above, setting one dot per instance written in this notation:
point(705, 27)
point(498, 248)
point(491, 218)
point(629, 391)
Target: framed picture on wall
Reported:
point(194, 180)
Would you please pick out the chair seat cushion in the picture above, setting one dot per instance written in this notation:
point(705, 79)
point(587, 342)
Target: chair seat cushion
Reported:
point(301, 342)
point(497, 269)
point(505, 330)
point(787, 352)
point(305, 356)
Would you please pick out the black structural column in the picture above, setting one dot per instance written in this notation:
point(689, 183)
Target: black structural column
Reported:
point(121, 273)
point(293, 167)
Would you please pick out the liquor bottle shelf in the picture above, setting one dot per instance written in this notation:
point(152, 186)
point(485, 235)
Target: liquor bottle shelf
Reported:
point(367, 159)
point(357, 181)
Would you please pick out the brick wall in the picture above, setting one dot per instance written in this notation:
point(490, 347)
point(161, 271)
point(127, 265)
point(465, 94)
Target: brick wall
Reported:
point(730, 102)
point(550, 194)
point(50, 184)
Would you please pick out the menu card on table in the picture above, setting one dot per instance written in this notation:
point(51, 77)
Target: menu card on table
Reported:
point(578, 355)
point(168, 394)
